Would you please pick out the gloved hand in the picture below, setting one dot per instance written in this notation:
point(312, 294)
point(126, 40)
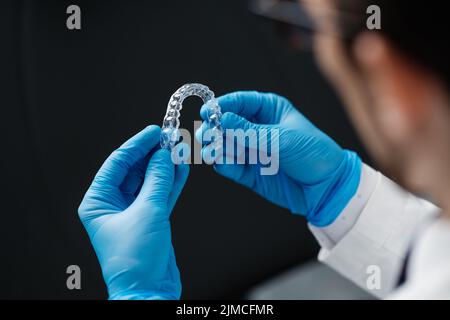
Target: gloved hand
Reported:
point(126, 214)
point(316, 177)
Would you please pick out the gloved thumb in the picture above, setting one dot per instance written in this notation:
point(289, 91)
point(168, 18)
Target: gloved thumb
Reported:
point(158, 181)
point(233, 121)
point(262, 134)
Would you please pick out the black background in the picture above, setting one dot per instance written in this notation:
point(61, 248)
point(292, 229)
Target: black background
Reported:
point(68, 98)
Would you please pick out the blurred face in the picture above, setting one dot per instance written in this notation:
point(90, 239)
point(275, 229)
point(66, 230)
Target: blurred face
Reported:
point(399, 109)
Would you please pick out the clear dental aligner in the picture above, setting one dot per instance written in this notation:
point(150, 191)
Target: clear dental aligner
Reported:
point(171, 123)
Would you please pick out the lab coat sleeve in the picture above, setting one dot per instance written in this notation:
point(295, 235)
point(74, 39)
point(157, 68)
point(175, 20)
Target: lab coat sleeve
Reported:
point(369, 242)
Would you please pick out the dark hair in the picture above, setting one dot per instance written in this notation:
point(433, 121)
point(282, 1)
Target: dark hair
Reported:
point(418, 29)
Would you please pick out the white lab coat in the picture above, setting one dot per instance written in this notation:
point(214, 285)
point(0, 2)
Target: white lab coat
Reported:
point(382, 225)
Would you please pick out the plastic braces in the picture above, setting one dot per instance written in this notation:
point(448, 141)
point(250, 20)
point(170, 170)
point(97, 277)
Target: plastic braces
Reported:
point(171, 122)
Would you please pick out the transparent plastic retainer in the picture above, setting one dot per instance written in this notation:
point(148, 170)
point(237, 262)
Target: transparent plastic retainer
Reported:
point(171, 123)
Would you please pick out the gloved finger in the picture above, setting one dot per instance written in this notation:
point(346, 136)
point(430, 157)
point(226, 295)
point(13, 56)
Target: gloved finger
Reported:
point(254, 136)
point(252, 105)
point(249, 176)
point(133, 181)
point(180, 153)
point(158, 181)
point(239, 173)
point(233, 121)
point(236, 144)
point(231, 150)
point(200, 132)
point(117, 166)
point(181, 175)
point(242, 140)
point(204, 136)
point(212, 153)
point(240, 150)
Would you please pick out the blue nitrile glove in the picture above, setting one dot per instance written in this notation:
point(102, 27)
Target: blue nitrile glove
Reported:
point(126, 214)
point(316, 177)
